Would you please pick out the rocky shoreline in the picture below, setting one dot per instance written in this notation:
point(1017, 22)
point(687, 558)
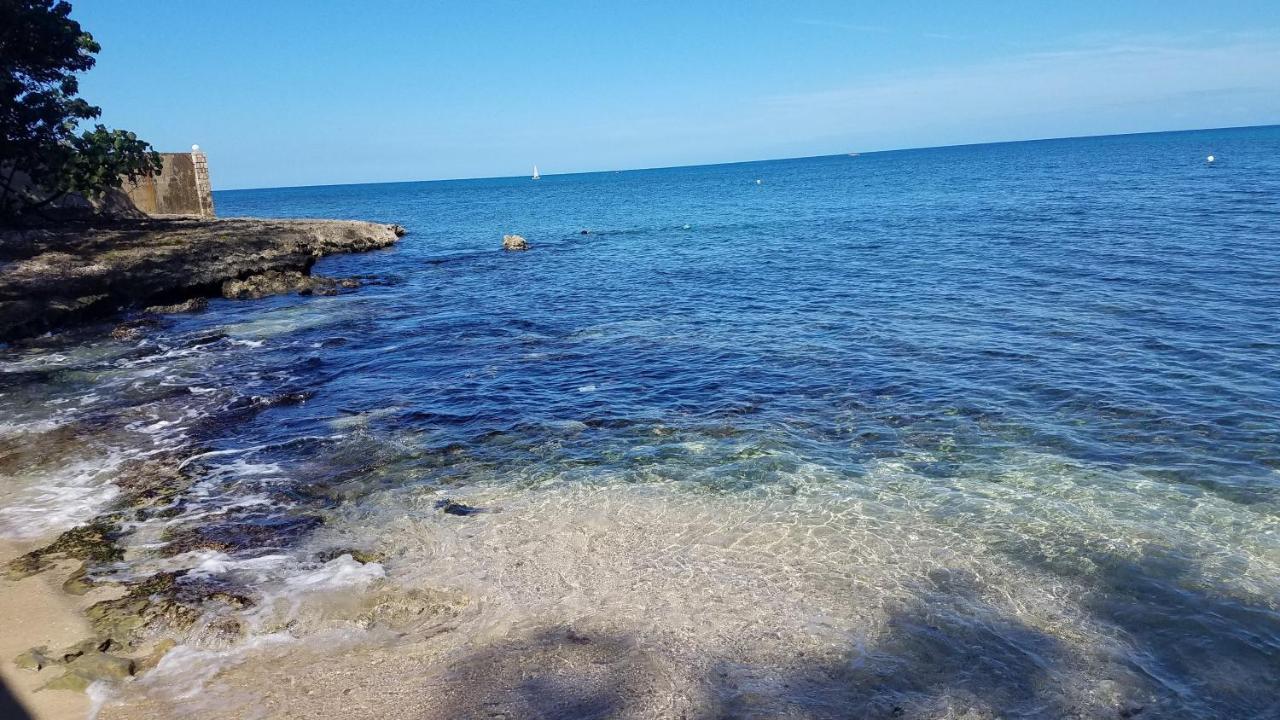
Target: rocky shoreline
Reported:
point(51, 276)
point(55, 276)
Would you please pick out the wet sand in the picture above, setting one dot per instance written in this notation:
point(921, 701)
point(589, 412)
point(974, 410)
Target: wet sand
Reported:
point(35, 611)
point(631, 602)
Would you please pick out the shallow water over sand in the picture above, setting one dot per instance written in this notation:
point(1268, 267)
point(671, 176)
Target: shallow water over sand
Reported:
point(969, 432)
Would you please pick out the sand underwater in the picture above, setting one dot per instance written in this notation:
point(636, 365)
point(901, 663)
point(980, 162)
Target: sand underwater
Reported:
point(981, 432)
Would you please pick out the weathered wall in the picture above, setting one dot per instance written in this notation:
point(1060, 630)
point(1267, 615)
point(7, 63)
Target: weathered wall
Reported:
point(181, 188)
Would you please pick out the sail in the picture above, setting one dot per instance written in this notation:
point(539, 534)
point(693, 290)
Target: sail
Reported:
point(535, 173)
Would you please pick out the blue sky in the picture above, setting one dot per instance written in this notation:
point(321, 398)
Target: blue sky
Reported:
point(302, 93)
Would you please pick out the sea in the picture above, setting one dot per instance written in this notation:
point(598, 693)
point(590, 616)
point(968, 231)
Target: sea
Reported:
point(975, 431)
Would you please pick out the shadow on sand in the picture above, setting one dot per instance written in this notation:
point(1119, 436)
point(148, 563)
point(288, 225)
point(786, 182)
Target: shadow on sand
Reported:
point(10, 709)
point(1185, 653)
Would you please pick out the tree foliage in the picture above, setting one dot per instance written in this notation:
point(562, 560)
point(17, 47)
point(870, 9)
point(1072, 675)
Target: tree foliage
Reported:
point(41, 155)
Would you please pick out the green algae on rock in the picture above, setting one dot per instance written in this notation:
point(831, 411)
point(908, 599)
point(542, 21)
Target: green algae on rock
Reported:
point(235, 534)
point(364, 557)
point(153, 481)
point(91, 667)
point(166, 601)
point(92, 542)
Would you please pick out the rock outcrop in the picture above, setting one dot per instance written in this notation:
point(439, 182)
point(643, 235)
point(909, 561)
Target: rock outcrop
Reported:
point(514, 242)
point(191, 305)
point(53, 275)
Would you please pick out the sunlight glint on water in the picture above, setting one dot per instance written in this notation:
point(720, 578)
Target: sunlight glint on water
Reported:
point(990, 427)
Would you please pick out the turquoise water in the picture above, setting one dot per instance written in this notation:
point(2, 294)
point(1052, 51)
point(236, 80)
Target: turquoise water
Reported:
point(985, 427)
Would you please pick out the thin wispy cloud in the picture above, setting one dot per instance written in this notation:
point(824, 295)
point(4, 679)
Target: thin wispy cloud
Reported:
point(1172, 78)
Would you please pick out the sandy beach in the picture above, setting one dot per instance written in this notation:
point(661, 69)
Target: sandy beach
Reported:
point(38, 613)
point(587, 361)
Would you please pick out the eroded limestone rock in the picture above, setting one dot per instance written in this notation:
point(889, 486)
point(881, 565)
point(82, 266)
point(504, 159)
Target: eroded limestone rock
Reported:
point(94, 542)
point(57, 274)
point(195, 304)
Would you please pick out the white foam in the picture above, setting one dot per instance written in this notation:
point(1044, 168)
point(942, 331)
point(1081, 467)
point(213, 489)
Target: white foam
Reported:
point(342, 572)
point(48, 503)
point(183, 672)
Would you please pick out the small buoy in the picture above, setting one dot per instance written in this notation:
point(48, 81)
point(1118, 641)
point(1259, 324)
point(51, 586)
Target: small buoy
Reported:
point(1209, 159)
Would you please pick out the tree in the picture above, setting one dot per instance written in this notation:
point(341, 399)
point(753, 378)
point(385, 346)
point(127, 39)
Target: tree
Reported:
point(41, 155)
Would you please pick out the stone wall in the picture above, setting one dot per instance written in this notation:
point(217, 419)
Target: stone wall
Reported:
point(181, 188)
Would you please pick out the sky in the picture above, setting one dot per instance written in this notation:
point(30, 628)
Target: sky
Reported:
point(285, 92)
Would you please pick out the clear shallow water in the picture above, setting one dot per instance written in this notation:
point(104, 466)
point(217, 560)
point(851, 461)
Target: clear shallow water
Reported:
point(988, 429)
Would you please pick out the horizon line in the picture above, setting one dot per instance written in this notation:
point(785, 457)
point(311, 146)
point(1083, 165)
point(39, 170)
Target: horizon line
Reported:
point(758, 160)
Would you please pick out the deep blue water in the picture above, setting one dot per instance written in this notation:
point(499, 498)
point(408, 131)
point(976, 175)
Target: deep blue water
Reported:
point(1059, 355)
point(1113, 300)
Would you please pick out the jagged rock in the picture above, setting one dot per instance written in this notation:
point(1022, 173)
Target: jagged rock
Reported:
point(133, 329)
point(166, 600)
point(233, 535)
point(94, 542)
point(320, 285)
point(195, 304)
point(152, 481)
point(263, 284)
point(279, 283)
point(456, 508)
point(514, 243)
point(57, 274)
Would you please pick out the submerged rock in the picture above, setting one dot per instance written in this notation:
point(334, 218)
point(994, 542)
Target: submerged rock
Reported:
point(133, 329)
point(98, 665)
point(165, 601)
point(514, 243)
point(240, 534)
point(78, 583)
point(86, 662)
point(456, 508)
point(91, 667)
point(415, 610)
point(153, 658)
point(37, 658)
point(154, 481)
point(364, 557)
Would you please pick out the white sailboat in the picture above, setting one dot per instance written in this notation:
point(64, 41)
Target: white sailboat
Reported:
point(536, 176)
